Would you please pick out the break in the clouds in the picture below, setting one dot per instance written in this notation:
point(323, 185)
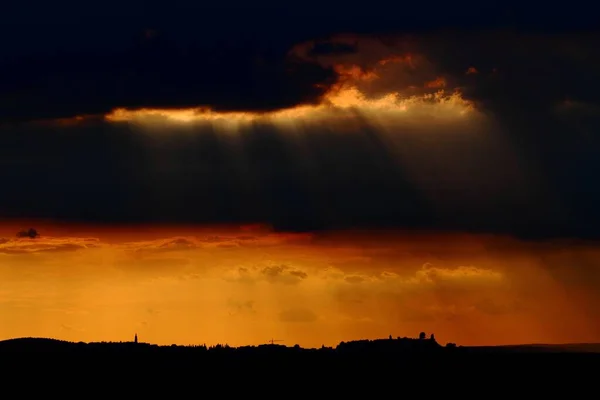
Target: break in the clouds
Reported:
point(493, 132)
point(306, 289)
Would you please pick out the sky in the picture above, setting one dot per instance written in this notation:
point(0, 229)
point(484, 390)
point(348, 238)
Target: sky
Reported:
point(233, 173)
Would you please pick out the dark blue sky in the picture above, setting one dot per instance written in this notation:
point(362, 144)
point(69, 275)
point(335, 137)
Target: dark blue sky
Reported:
point(39, 26)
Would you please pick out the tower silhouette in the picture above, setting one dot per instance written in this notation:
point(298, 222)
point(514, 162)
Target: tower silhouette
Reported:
point(135, 338)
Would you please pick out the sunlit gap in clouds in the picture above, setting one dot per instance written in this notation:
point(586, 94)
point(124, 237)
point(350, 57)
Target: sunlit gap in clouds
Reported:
point(338, 106)
point(346, 115)
point(358, 90)
point(391, 111)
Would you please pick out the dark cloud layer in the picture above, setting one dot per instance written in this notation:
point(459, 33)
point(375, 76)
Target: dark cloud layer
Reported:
point(60, 62)
point(156, 72)
point(540, 89)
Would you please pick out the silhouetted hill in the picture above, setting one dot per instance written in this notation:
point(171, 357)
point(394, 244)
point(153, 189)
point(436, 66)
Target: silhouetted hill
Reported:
point(34, 344)
point(358, 347)
point(382, 365)
point(379, 347)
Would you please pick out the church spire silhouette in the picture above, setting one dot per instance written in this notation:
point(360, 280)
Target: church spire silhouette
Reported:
point(135, 338)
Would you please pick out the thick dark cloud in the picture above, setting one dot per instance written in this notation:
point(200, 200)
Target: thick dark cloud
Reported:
point(539, 85)
point(59, 62)
point(157, 72)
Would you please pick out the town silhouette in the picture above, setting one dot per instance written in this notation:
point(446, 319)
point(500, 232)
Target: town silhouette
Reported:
point(375, 366)
point(423, 345)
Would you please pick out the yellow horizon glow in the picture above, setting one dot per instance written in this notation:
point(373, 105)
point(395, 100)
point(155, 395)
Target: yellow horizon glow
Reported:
point(246, 285)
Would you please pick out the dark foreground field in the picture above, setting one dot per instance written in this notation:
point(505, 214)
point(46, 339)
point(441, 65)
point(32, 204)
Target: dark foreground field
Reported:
point(380, 368)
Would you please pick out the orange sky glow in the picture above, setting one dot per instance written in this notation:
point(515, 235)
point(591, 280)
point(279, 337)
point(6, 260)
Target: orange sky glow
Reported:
point(246, 285)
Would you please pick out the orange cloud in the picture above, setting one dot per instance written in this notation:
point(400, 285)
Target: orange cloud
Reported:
point(46, 244)
point(437, 83)
point(340, 104)
point(407, 59)
point(354, 72)
point(391, 89)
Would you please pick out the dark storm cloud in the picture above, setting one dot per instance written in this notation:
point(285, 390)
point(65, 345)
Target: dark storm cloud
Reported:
point(543, 92)
point(156, 72)
point(540, 89)
point(60, 62)
point(331, 47)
